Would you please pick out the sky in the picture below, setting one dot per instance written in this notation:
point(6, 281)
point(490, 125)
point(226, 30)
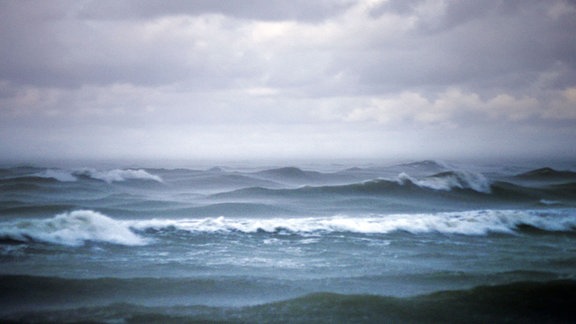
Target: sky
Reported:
point(217, 79)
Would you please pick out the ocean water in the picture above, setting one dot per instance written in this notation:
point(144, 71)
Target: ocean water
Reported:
point(415, 242)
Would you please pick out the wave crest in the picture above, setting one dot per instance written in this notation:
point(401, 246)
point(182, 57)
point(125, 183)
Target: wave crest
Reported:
point(449, 180)
point(72, 229)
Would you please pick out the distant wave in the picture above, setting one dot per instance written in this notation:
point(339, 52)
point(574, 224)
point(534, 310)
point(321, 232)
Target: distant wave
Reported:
point(109, 176)
point(288, 172)
point(445, 192)
point(72, 229)
point(425, 165)
point(547, 174)
point(293, 175)
point(404, 185)
point(450, 180)
point(479, 222)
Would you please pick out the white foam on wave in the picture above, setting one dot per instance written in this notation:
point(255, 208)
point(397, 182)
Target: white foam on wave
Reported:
point(450, 180)
point(110, 176)
point(480, 222)
point(72, 229)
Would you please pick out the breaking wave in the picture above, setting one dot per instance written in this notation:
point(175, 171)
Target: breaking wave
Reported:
point(79, 227)
point(480, 222)
point(71, 229)
point(450, 180)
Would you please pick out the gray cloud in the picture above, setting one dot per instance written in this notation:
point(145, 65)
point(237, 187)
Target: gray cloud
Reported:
point(301, 10)
point(495, 46)
point(459, 43)
point(214, 76)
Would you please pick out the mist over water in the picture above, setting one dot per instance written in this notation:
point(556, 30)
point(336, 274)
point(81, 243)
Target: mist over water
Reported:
point(250, 242)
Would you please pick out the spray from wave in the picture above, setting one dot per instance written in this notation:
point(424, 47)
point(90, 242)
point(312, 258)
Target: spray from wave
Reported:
point(71, 229)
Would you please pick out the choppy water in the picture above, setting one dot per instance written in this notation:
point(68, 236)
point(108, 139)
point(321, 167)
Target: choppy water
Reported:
point(287, 244)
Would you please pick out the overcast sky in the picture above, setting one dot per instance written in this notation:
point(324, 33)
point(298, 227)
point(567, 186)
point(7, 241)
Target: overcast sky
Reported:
point(217, 79)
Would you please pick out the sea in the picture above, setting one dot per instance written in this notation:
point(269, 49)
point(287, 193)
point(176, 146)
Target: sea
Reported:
point(356, 242)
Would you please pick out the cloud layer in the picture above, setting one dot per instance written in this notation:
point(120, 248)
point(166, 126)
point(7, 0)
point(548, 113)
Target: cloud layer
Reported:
point(220, 79)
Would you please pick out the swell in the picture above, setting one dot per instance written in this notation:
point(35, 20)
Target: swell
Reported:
point(296, 176)
point(32, 292)
point(58, 175)
point(25, 184)
point(374, 187)
point(517, 302)
point(520, 302)
point(547, 174)
point(179, 210)
point(187, 193)
point(24, 210)
point(235, 209)
point(499, 192)
point(43, 186)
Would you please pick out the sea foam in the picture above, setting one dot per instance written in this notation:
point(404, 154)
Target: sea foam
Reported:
point(72, 229)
